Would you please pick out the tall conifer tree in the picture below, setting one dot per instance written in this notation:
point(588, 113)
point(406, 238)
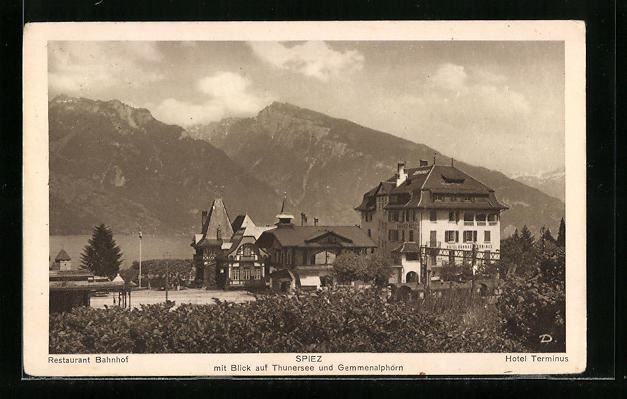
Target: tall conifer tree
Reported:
point(101, 255)
point(561, 234)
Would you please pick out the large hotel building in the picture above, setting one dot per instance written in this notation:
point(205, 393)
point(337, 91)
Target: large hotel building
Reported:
point(431, 216)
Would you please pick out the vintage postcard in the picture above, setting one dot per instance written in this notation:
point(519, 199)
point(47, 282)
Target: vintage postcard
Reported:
point(304, 199)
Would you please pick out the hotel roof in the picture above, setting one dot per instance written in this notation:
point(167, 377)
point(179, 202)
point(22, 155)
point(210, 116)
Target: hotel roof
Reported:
point(418, 189)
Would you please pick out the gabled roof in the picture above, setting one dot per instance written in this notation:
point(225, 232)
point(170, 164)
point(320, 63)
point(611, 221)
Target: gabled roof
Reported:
point(305, 236)
point(61, 256)
point(242, 221)
point(318, 235)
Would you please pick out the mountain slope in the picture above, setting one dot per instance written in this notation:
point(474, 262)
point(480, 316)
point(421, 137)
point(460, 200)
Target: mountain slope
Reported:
point(553, 183)
point(326, 164)
point(114, 164)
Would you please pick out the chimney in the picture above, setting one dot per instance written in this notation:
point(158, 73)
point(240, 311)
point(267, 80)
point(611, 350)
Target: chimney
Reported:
point(203, 219)
point(424, 162)
point(401, 175)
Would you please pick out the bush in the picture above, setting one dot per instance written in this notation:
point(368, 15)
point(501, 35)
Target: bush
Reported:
point(340, 320)
point(370, 269)
point(531, 308)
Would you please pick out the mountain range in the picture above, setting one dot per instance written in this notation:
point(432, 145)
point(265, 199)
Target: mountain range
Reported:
point(552, 183)
point(116, 164)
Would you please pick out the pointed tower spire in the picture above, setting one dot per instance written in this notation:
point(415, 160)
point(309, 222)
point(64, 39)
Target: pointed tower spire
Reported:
point(283, 204)
point(285, 219)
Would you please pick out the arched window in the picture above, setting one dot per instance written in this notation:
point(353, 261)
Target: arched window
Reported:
point(323, 258)
point(411, 277)
point(246, 250)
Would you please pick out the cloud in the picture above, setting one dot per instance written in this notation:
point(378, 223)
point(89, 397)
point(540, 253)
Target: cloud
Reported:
point(450, 77)
point(461, 97)
point(227, 94)
point(80, 66)
point(314, 59)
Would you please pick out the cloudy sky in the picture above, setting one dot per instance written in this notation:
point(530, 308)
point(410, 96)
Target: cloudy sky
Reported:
point(494, 104)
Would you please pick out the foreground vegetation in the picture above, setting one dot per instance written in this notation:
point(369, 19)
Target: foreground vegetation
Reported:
point(340, 320)
point(529, 316)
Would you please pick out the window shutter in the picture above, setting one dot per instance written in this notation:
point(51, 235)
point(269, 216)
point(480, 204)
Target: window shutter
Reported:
point(457, 236)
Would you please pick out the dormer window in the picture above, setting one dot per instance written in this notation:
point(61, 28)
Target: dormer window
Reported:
point(453, 179)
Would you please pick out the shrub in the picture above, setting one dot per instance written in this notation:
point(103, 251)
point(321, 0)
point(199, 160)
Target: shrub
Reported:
point(532, 307)
point(340, 320)
point(349, 267)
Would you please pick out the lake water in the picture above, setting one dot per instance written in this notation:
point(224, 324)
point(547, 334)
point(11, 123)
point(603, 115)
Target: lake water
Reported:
point(153, 247)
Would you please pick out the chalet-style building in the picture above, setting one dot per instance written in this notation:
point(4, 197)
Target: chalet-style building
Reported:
point(302, 256)
point(214, 238)
point(430, 216)
point(243, 264)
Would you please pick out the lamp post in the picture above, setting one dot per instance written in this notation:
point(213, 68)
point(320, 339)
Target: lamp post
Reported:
point(167, 275)
point(140, 259)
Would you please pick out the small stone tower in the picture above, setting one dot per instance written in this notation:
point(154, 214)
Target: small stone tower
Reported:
point(63, 261)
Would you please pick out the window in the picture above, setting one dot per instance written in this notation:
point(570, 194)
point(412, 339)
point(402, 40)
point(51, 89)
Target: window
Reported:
point(433, 237)
point(433, 216)
point(413, 215)
point(246, 273)
point(248, 250)
point(493, 218)
point(486, 236)
point(470, 236)
point(438, 197)
point(411, 235)
point(486, 257)
point(469, 218)
point(393, 235)
point(235, 274)
point(451, 258)
point(402, 235)
point(481, 219)
point(467, 199)
point(452, 216)
point(257, 273)
point(369, 233)
point(323, 258)
point(395, 216)
point(451, 236)
point(406, 216)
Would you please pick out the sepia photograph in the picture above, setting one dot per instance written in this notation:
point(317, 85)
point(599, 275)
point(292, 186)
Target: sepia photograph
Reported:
point(374, 199)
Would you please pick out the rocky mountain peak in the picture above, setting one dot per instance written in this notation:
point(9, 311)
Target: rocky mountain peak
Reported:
point(124, 114)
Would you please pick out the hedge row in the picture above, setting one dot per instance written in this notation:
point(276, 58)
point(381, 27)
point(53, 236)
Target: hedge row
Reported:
point(342, 320)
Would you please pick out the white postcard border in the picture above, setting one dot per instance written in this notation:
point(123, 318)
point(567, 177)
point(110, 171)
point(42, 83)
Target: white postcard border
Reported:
point(37, 361)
